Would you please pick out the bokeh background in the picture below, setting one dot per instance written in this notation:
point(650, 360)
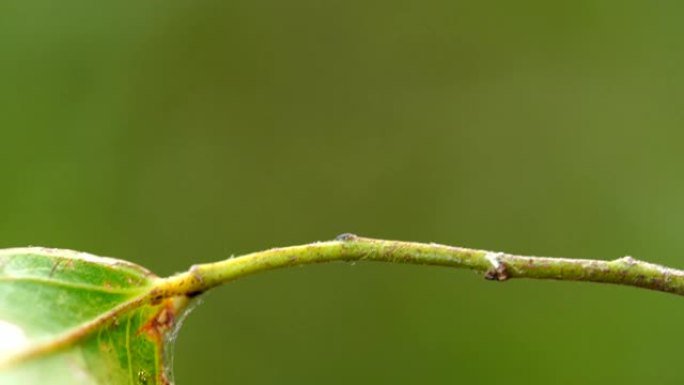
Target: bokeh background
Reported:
point(176, 132)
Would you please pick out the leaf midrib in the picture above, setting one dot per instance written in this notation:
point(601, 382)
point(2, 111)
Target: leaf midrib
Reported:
point(58, 283)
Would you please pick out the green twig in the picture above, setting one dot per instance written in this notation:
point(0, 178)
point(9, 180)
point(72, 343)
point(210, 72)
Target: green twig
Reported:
point(348, 247)
point(495, 266)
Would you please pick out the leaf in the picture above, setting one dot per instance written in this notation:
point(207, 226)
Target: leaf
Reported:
point(73, 318)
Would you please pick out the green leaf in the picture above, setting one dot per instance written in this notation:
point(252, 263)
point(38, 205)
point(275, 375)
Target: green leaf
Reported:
point(74, 318)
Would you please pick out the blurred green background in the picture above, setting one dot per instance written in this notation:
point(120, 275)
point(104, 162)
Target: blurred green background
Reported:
point(176, 132)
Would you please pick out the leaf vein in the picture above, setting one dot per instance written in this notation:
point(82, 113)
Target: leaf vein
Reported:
point(128, 350)
point(53, 282)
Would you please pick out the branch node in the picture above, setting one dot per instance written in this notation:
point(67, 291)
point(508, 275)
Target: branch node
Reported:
point(199, 278)
point(498, 271)
point(196, 273)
